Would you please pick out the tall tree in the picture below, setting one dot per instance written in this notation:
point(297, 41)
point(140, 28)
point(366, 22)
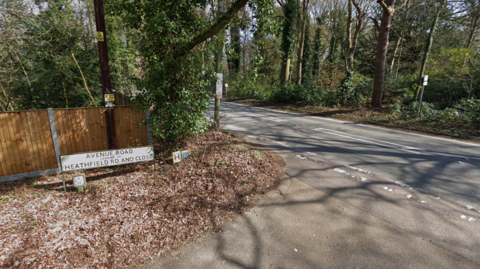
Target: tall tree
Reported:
point(236, 49)
point(290, 8)
point(303, 21)
point(170, 31)
point(389, 10)
point(307, 53)
point(428, 46)
point(352, 38)
point(317, 47)
point(473, 11)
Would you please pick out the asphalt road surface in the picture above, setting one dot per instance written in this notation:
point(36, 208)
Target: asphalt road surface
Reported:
point(426, 186)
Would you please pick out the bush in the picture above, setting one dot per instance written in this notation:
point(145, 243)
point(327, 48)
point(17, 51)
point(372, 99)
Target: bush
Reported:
point(466, 111)
point(305, 94)
point(470, 108)
point(400, 89)
point(246, 88)
point(349, 94)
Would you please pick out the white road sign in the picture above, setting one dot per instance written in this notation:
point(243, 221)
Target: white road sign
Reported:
point(79, 180)
point(89, 160)
point(219, 90)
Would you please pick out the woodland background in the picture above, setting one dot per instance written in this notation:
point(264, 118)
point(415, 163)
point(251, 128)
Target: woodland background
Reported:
point(328, 53)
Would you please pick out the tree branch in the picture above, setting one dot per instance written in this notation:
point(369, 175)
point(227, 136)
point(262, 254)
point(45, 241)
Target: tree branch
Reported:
point(375, 22)
point(219, 25)
point(357, 7)
point(400, 6)
point(385, 7)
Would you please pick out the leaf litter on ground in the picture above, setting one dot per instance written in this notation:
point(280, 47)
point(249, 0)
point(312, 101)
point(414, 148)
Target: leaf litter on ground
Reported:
point(131, 214)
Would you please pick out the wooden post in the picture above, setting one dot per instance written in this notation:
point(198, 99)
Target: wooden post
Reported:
point(217, 111)
point(108, 95)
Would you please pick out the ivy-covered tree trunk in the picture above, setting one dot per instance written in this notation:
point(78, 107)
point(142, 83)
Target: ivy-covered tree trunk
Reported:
point(235, 43)
point(303, 20)
point(317, 48)
point(307, 54)
point(288, 37)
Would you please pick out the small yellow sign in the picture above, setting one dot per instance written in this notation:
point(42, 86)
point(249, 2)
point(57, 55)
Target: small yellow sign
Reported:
point(109, 97)
point(100, 37)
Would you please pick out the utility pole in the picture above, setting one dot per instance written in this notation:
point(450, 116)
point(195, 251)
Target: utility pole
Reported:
point(108, 95)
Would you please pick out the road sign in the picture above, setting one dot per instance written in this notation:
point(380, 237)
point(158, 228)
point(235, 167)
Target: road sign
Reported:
point(185, 154)
point(100, 37)
point(79, 180)
point(219, 89)
point(226, 85)
point(104, 158)
point(425, 80)
point(109, 100)
point(177, 156)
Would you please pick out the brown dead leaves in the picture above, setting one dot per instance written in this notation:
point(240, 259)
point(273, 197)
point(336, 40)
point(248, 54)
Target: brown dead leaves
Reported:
point(130, 214)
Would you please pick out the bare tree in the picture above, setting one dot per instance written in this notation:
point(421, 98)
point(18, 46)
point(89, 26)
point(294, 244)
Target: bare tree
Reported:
point(352, 38)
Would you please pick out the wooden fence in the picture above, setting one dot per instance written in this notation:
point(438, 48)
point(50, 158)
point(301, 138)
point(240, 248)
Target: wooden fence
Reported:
point(28, 139)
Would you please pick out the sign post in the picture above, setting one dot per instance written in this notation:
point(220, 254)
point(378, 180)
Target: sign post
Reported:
point(424, 83)
point(218, 96)
point(105, 72)
point(226, 88)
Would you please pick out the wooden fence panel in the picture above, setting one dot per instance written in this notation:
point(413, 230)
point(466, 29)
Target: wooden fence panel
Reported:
point(129, 133)
point(84, 129)
point(81, 129)
point(26, 143)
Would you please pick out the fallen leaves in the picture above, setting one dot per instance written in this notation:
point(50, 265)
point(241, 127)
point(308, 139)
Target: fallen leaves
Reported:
point(130, 214)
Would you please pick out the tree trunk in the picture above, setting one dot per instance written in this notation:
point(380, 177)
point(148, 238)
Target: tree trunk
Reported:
point(397, 46)
point(288, 37)
point(307, 53)
point(473, 29)
point(428, 47)
point(244, 55)
point(349, 35)
point(353, 42)
point(317, 48)
point(379, 78)
point(300, 51)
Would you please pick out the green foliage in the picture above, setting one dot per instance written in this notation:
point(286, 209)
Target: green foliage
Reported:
point(48, 51)
point(305, 94)
point(401, 89)
point(470, 109)
point(289, 36)
point(347, 92)
point(173, 84)
point(454, 74)
point(466, 111)
point(248, 88)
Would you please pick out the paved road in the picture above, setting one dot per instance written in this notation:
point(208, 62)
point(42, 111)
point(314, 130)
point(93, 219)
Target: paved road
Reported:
point(353, 196)
point(428, 187)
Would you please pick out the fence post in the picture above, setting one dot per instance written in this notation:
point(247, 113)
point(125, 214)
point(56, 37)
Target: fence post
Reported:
point(54, 136)
point(149, 129)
